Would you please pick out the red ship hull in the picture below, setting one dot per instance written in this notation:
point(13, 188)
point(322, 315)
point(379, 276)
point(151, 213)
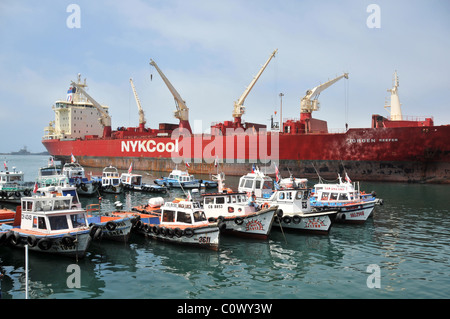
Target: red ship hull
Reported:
point(406, 154)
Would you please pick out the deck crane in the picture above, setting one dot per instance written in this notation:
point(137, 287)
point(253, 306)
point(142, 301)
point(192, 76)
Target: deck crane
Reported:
point(310, 101)
point(141, 112)
point(182, 112)
point(105, 119)
point(239, 108)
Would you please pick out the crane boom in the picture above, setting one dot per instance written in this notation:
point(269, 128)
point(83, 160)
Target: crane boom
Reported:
point(105, 119)
point(182, 112)
point(239, 108)
point(309, 102)
point(138, 102)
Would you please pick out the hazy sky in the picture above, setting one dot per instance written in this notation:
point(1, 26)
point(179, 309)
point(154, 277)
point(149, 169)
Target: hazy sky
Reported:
point(210, 50)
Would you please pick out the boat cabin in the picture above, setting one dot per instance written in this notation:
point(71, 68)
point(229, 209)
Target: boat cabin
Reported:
point(11, 177)
point(335, 192)
point(49, 214)
point(131, 179)
point(290, 199)
point(74, 171)
point(110, 176)
point(181, 176)
point(184, 212)
point(222, 204)
point(258, 183)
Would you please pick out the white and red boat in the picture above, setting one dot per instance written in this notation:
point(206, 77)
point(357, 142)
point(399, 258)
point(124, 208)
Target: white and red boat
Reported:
point(354, 206)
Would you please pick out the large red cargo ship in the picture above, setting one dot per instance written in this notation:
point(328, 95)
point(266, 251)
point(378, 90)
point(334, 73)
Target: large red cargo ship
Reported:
point(392, 149)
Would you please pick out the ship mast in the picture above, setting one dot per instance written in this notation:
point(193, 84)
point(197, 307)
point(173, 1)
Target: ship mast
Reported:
point(182, 112)
point(239, 108)
point(396, 110)
point(105, 119)
point(141, 112)
point(310, 101)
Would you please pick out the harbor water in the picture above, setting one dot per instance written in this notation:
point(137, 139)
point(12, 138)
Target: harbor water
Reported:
point(401, 252)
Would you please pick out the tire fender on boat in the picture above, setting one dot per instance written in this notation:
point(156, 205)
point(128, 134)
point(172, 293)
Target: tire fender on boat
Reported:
point(239, 220)
point(189, 232)
point(279, 213)
point(111, 226)
point(68, 240)
point(296, 219)
point(14, 238)
point(287, 219)
point(31, 240)
point(45, 244)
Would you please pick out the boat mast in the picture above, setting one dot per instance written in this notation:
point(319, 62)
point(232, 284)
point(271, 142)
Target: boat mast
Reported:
point(396, 110)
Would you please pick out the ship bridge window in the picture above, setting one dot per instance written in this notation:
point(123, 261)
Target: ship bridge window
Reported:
point(58, 222)
point(343, 196)
point(183, 217)
point(168, 216)
point(299, 195)
point(325, 196)
point(27, 206)
point(281, 195)
point(220, 200)
point(258, 184)
point(209, 200)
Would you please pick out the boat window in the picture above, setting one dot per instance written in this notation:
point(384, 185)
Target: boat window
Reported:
point(39, 222)
point(61, 204)
point(248, 183)
point(242, 183)
point(230, 209)
point(199, 216)
point(58, 222)
point(258, 184)
point(209, 200)
point(171, 176)
point(299, 195)
point(325, 196)
point(183, 217)
point(306, 194)
point(267, 185)
point(168, 216)
point(72, 193)
point(78, 220)
point(343, 196)
point(115, 181)
point(334, 196)
point(27, 206)
point(220, 200)
point(281, 195)
point(196, 205)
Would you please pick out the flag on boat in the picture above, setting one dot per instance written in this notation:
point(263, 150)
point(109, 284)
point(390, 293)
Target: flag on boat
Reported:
point(347, 178)
point(216, 162)
point(70, 94)
point(73, 160)
point(35, 187)
point(253, 168)
point(188, 165)
point(130, 168)
point(6, 166)
point(51, 163)
point(277, 174)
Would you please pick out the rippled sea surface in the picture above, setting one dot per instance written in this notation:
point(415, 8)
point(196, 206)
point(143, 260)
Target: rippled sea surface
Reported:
point(401, 252)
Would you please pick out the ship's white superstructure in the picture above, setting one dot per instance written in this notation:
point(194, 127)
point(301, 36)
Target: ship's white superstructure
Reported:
point(75, 117)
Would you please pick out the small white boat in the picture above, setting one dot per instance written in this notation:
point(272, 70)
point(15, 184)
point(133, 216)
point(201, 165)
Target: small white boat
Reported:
point(295, 212)
point(13, 186)
point(76, 176)
point(51, 175)
point(50, 224)
point(354, 206)
point(134, 182)
point(256, 182)
point(182, 179)
point(109, 181)
point(181, 222)
point(238, 216)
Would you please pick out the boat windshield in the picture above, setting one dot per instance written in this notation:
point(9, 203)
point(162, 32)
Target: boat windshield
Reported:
point(199, 216)
point(78, 220)
point(58, 222)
